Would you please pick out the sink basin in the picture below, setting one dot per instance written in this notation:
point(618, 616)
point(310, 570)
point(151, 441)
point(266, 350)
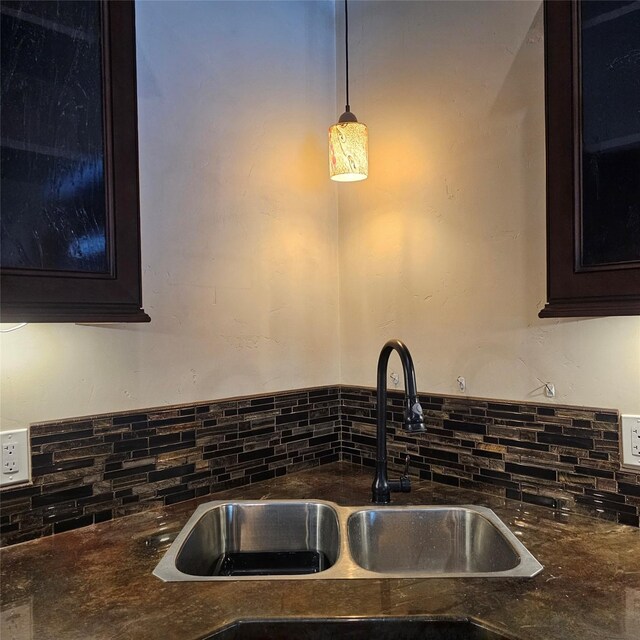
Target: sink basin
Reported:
point(411, 628)
point(444, 541)
point(233, 540)
point(313, 539)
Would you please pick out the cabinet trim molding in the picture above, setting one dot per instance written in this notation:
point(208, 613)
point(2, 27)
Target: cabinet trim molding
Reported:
point(573, 291)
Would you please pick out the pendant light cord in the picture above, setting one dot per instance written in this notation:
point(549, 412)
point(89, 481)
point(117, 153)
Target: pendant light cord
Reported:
point(346, 52)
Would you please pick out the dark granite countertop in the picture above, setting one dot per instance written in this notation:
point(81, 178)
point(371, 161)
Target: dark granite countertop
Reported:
point(96, 582)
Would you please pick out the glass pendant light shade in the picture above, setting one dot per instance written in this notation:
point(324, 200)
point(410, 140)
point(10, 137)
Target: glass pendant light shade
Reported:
point(348, 138)
point(348, 151)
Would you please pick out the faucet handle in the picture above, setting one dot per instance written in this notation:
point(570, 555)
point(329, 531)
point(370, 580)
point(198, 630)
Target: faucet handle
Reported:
point(403, 484)
point(407, 460)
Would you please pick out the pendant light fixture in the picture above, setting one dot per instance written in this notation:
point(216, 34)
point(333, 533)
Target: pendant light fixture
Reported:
point(348, 138)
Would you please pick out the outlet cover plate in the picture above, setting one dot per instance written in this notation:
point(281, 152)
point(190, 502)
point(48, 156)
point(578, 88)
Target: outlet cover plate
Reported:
point(630, 440)
point(19, 439)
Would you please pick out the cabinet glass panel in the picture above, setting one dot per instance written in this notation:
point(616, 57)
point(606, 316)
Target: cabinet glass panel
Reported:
point(53, 187)
point(610, 78)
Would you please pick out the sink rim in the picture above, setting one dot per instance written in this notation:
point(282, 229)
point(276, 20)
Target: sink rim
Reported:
point(167, 570)
point(345, 566)
point(380, 618)
point(527, 566)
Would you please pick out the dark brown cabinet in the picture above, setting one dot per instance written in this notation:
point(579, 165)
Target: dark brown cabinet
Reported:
point(70, 223)
point(592, 84)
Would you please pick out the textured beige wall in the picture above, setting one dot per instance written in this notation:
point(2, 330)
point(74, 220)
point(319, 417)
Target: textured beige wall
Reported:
point(239, 223)
point(444, 245)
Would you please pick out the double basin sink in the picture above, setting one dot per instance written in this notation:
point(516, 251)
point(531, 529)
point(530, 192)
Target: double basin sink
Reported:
point(315, 539)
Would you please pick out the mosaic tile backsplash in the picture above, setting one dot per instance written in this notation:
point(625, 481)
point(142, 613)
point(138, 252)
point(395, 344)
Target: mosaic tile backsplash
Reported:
point(558, 457)
point(94, 469)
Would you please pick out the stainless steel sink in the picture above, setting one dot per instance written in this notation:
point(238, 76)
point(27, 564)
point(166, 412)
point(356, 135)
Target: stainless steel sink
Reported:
point(315, 539)
point(436, 541)
point(254, 540)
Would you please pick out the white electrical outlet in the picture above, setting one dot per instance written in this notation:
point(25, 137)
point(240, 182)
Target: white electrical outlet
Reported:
point(14, 457)
point(631, 441)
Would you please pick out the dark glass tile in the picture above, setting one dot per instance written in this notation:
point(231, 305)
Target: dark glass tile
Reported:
point(470, 427)
point(607, 417)
point(483, 453)
point(629, 489)
point(494, 473)
point(429, 452)
point(10, 496)
point(180, 497)
point(543, 501)
point(606, 504)
point(68, 465)
point(130, 471)
point(171, 472)
point(565, 441)
point(167, 438)
point(74, 523)
point(627, 518)
point(41, 460)
point(131, 445)
point(97, 499)
point(263, 475)
point(61, 496)
point(442, 479)
point(604, 495)
point(552, 428)
point(255, 409)
point(102, 516)
point(300, 416)
point(62, 437)
point(262, 401)
point(295, 437)
point(501, 407)
point(590, 471)
point(330, 437)
point(255, 454)
point(528, 470)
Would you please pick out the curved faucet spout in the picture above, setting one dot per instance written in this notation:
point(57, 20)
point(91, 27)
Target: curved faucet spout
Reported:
point(414, 420)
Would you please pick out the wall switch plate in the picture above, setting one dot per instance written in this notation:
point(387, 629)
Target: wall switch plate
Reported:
point(15, 458)
point(631, 441)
